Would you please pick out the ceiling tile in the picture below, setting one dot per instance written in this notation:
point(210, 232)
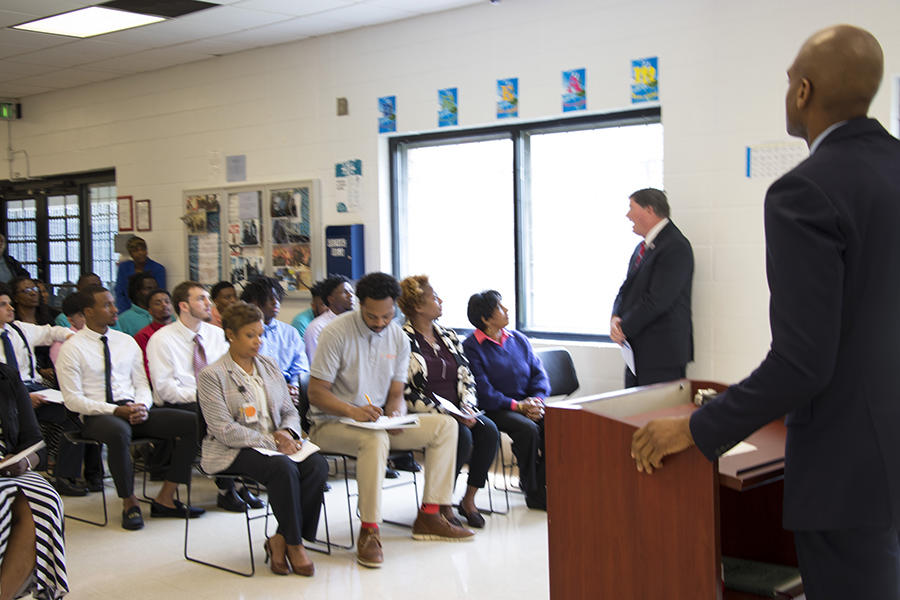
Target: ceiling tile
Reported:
point(44, 8)
point(297, 8)
point(75, 53)
point(15, 89)
point(66, 78)
point(148, 60)
point(11, 70)
point(29, 40)
point(420, 7)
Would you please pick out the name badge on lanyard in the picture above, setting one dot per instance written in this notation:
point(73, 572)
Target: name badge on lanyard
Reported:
point(251, 415)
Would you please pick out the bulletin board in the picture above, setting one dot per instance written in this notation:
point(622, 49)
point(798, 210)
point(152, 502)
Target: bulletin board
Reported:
point(240, 232)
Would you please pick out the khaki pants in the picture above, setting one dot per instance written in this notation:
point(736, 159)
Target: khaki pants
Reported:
point(436, 433)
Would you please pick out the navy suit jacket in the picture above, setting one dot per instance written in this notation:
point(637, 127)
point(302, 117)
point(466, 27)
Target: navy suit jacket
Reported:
point(833, 266)
point(654, 302)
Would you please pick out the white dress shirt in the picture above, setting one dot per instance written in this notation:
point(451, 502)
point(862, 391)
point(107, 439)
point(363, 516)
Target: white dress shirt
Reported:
point(80, 371)
point(170, 357)
point(37, 335)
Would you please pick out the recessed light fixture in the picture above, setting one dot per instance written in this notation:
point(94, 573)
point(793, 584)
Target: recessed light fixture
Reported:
point(88, 22)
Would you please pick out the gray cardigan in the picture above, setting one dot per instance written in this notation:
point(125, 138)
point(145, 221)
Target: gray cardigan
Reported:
point(221, 395)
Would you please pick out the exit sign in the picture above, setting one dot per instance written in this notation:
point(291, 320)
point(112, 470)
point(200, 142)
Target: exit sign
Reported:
point(10, 111)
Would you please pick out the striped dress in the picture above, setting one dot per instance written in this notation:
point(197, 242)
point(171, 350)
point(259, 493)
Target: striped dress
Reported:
point(48, 581)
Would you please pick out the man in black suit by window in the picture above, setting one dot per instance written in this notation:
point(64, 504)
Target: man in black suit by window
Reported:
point(652, 312)
point(833, 264)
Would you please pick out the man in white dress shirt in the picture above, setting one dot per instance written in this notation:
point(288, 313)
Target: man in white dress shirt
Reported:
point(101, 375)
point(177, 353)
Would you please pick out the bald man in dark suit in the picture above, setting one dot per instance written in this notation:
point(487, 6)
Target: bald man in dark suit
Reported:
point(833, 263)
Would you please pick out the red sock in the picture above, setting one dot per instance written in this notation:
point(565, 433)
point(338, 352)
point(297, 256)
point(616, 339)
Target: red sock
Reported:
point(431, 509)
point(370, 525)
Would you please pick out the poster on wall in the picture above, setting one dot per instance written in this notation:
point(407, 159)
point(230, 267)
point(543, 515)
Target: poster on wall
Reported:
point(244, 222)
point(507, 98)
point(387, 114)
point(448, 107)
point(645, 80)
point(291, 254)
point(347, 182)
point(574, 96)
point(246, 263)
point(202, 219)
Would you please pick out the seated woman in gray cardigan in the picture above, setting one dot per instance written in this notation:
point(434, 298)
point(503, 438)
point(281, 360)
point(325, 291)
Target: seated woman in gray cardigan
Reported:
point(246, 405)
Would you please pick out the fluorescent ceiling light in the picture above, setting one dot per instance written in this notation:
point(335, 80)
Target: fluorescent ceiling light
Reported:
point(88, 22)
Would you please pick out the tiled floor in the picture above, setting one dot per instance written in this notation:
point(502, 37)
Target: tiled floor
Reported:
point(508, 558)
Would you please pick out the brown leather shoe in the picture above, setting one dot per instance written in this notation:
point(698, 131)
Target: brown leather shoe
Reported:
point(436, 527)
point(300, 562)
point(275, 551)
point(447, 513)
point(368, 548)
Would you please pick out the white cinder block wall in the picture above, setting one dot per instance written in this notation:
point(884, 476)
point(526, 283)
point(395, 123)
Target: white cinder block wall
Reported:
point(722, 81)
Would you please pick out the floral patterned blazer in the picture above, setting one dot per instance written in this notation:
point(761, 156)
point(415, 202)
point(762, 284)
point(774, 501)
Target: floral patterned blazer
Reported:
point(417, 399)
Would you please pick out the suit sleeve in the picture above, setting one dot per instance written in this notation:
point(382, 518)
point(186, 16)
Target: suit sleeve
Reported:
point(805, 267)
point(672, 270)
point(219, 420)
point(29, 431)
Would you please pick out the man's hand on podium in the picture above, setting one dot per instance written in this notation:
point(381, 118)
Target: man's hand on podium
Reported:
point(659, 438)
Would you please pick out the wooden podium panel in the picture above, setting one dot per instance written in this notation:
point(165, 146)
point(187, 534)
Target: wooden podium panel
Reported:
point(617, 533)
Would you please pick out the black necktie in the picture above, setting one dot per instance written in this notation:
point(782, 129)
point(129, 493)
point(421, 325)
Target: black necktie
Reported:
point(8, 350)
point(107, 369)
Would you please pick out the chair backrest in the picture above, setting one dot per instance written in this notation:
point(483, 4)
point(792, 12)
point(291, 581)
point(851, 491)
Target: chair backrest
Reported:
point(560, 369)
point(303, 401)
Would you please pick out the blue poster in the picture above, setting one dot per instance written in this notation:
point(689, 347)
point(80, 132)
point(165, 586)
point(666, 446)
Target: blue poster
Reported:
point(387, 114)
point(507, 98)
point(645, 80)
point(574, 96)
point(448, 108)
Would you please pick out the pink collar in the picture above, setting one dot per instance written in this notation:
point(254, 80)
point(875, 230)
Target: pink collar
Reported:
point(480, 337)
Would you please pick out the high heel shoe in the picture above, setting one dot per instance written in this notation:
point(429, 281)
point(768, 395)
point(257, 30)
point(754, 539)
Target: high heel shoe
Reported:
point(279, 568)
point(307, 570)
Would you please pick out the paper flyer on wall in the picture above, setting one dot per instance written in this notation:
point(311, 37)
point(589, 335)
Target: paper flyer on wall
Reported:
point(507, 98)
point(574, 96)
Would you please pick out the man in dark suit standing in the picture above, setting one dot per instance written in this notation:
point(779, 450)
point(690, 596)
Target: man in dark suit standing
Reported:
point(652, 312)
point(833, 263)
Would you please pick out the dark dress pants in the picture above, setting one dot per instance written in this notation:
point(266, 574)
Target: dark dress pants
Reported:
point(295, 489)
point(167, 424)
point(842, 564)
point(528, 446)
point(478, 447)
point(651, 376)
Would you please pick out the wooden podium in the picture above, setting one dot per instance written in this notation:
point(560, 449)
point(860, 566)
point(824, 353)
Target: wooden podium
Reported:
point(619, 534)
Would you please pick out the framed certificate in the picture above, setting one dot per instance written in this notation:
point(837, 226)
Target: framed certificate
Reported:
point(126, 218)
point(142, 215)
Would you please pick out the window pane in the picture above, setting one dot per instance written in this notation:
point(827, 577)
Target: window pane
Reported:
point(578, 234)
point(459, 226)
point(104, 225)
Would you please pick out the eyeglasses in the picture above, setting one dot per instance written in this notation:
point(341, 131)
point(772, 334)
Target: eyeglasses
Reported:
point(34, 289)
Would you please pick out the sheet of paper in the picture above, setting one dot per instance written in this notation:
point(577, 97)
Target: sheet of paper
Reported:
point(54, 396)
point(20, 455)
point(384, 422)
point(305, 450)
point(628, 355)
point(452, 409)
point(740, 448)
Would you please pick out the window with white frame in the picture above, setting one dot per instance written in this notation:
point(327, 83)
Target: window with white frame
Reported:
point(535, 211)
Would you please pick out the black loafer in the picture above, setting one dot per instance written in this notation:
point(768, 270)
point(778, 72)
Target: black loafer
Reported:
point(390, 473)
point(536, 502)
point(158, 510)
point(406, 463)
point(132, 519)
point(250, 498)
point(68, 487)
point(231, 502)
point(94, 484)
point(474, 519)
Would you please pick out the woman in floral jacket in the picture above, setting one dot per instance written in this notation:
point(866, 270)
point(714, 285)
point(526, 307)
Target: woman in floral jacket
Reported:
point(438, 367)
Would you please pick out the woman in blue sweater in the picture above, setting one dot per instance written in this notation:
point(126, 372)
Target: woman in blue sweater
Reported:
point(511, 386)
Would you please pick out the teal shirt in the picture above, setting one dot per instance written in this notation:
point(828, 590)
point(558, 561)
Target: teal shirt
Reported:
point(133, 320)
point(302, 320)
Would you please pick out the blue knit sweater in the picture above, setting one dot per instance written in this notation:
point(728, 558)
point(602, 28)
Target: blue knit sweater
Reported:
point(505, 373)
